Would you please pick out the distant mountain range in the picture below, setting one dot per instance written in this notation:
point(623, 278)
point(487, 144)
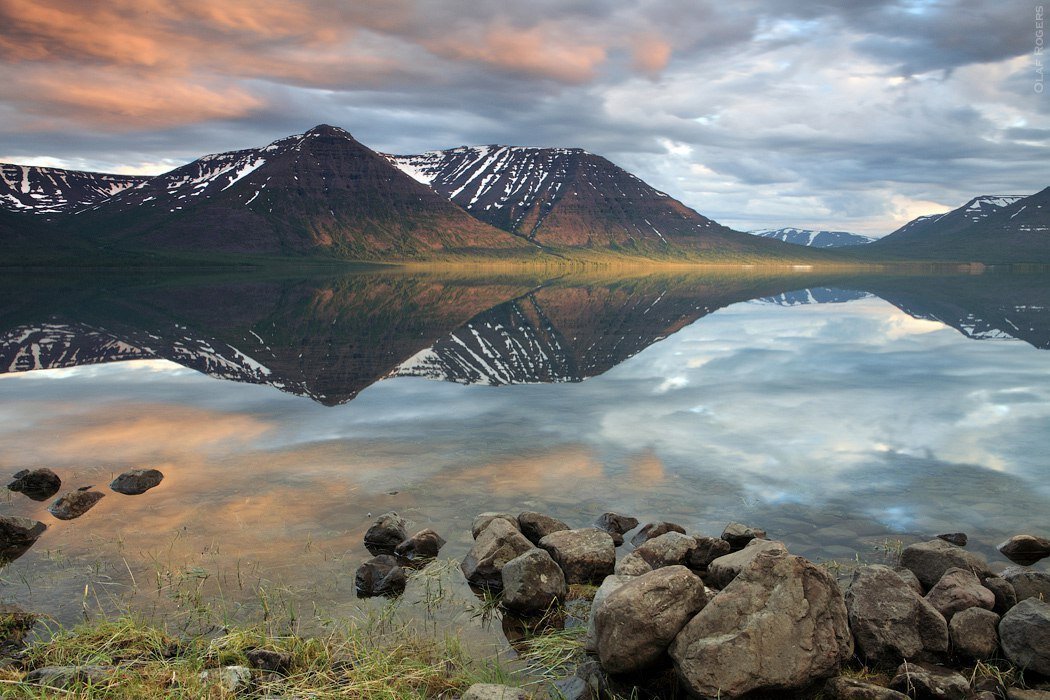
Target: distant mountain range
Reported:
point(815, 239)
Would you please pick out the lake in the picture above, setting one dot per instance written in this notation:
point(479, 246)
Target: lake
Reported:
point(843, 413)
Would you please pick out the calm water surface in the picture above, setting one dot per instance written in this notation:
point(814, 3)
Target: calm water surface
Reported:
point(839, 413)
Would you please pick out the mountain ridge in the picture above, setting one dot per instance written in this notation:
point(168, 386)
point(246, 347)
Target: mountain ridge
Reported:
point(814, 238)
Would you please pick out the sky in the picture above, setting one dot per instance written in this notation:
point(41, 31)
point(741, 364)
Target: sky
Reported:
point(855, 115)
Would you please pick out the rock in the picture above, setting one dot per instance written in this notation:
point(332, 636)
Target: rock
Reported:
point(1003, 590)
point(66, 676)
point(890, 621)
point(532, 583)
point(610, 584)
point(842, 688)
point(707, 550)
point(725, 568)
point(959, 590)
point(636, 623)
point(652, 530)
point(498, 542)
point(385, 534)
point(667, 549)
point(909, 578)
point(536, 526)
point(616, 525)
point(15, 624)
point(780, 625)
point(929, 560)
point(136, 481)
point(232, 679)
point(1024, 634)
point(572, 688)
point(959, 539)
point(1025, 549)
point(584, 555)
point(1019, 694)
point(381, 575)
point(17, 535)
point(268, 660)
point(975, 633)
point(1027, 583)
point(38, 484)
point(75, 503)
point(482, 521)
point(922, 680)
point(491, 691)
point(738, 535)
point(425, 544)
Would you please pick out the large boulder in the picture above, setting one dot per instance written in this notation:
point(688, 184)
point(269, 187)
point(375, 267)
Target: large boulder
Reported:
point(38, 484)
point(610, 584)
point(482, 521)
point(616, 525)
point(380, 576)
point(1025, 549)
point(536, 526)
point(1027, 583)
point(532, 583)
point(586, 555)
point(958, 590)
point(651, 530)
point(721, 571)
point(667, 549)
point(497, 543)
point(136, 481)
point(975, 633)
point(707, 550)
point(890, 621)
point(780, 625)
point(929, 560)
point(17, 535)
point(924, 680)
point(425, 544)
point(842, 688)
point(75, 503)
point(1024, 633)
point(738, 535)
point(636, 622)
point(385, 534)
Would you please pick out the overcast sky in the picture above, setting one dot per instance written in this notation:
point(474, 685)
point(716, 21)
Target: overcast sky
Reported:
point(855, 115)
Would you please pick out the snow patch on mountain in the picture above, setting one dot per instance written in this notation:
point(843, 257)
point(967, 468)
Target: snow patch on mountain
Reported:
point(813, 238)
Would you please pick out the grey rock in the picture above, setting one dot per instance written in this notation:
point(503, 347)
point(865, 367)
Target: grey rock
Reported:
point(890, 621)
point(498, 542)
point(75, 503)
point(1003, 590)
point(532, 583)
point(924, 680)
point(136, 481)
point(482, 521)
point(651, 530)
point(491, 691)
point(610, 584)
point(929, 560)
point(668, 549)
point(780, 625)
point(385, 534)
point(380, 576)
point(572, 688)
point(1024, 694)
point(638, 621)
point(38, 484)
point(536, 526)
point(975, 633)
point(738, 535)
point(724, 569)
point(959, 539)
point(586, 555)
point(909, 578)
point(1027, 583)
point(957, 590)
point(707, 550)
point(17, 535)
point(269, 660)
point(842, 688)
point(425, 544)
point(15, 624)
point(1024, 634)
point(234, 680)
point(1025, 549)
point(616, 525)
point(67, 676)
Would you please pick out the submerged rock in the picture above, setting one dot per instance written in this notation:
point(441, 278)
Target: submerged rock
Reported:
point(497, 543)
point(38, 484)
point(959, 539)
point(136, 481)
point(780, 625)
point(651, 530)
point(75, 503)
point(586, 555)
point(536, 526)
point(725, 568)
point(532, 583)
point(1025, 549)
point(1024, 633)
point(380, 576)
point(385, 534)
point(17, 535)
point(425, 544)
point(616, 525)
point(924, 680)
point(738, 535)
point(929, 560)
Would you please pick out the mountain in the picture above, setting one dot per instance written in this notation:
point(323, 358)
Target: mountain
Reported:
point(813, 295)
point(815, 239)
point(320, 193)
point(568, 198)
point(989, 229)
point(32, 190)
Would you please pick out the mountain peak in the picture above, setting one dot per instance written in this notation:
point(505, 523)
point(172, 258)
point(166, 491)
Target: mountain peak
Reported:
point(327, 130)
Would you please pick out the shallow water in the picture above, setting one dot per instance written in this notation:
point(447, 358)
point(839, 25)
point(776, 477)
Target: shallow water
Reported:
point(842, 414)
